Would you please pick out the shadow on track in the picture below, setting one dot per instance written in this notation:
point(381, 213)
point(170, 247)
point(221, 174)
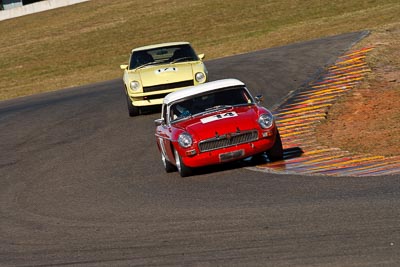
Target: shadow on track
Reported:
point(288, 153)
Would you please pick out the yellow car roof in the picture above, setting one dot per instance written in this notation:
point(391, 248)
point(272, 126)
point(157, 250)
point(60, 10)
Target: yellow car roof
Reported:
point(147, 47)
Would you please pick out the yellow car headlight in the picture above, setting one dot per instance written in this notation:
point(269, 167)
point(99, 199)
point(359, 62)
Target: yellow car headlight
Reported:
point(200, 77)
point(135, 85)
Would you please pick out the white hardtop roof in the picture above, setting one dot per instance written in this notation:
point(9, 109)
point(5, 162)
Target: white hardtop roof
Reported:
point(201, 88)
point(147, 47)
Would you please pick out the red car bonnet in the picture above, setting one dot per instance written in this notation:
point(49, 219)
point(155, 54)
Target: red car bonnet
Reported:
point(208, 125)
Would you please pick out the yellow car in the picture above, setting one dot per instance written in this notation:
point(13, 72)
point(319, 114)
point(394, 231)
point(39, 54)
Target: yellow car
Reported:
point(157, 70)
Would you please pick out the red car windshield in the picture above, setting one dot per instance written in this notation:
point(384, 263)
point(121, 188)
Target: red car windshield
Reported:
point(209, 102)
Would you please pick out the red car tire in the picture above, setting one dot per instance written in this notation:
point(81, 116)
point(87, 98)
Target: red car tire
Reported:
point(276, 151)
point(183, 170)
point(168, 166)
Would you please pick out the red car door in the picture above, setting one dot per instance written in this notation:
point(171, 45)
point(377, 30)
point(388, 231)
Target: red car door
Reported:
point(163, 135)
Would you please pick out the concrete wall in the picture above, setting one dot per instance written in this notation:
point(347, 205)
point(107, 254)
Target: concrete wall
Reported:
point(7, 4)
point(36, 7)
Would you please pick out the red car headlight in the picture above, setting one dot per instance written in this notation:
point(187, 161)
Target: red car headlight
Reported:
point(266, 120)
point(185, 140)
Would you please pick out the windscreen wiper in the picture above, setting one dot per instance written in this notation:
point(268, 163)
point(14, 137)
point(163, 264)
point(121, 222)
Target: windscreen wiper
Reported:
point(182, 59)
point(147, 64)
point(218, 107)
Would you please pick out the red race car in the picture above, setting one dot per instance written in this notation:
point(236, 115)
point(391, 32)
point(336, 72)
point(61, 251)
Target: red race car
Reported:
point(214, 123)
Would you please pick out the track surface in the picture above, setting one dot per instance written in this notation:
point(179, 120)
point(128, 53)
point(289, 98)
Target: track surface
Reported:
point(81, 183)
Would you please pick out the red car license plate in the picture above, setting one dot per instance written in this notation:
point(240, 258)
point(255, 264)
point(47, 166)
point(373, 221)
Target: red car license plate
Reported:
point(231, 155)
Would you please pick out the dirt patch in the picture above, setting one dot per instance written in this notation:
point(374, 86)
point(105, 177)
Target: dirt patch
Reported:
point(368, 119)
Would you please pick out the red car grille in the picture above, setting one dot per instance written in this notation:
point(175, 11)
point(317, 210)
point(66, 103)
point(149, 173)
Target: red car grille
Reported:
point(228, 140)
point(159, 87)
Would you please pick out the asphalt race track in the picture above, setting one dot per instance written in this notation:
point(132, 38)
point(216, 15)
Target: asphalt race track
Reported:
point(82, 184)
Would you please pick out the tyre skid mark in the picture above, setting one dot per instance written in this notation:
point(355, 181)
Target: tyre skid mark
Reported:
point(298, 117)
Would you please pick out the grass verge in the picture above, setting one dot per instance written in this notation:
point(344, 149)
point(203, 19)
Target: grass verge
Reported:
point(87, 42)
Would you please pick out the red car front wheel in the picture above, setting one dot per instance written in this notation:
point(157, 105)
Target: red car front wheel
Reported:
point(276, 152)
point(182, 168)
point(168, 166)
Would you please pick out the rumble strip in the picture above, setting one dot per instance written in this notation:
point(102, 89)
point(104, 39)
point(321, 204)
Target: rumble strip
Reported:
point(298, 116)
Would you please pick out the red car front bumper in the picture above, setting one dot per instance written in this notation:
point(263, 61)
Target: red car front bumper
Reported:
point(226, 154)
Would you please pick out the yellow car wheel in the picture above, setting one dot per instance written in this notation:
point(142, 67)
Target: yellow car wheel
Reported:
point(133, 111)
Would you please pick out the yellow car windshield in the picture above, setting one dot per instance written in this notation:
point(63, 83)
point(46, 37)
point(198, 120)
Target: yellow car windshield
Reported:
point(162, 55)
